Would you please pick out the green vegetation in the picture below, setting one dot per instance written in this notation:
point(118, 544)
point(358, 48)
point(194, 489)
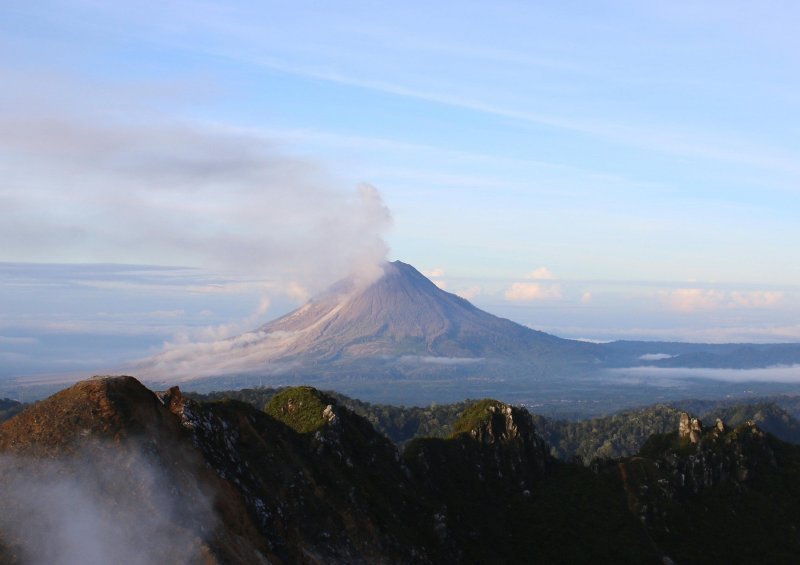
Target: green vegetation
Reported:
point(767, 416)
point(257, 397)
point(478, 415)
point(607, 437)
point(398, 423)
point(301, 408)
point(324, 482)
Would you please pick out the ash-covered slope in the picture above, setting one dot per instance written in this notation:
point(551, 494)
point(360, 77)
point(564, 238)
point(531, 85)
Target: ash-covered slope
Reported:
point(399, 325)
point(404, 313)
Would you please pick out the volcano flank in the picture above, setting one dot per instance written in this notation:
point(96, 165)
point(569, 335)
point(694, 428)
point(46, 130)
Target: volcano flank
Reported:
point(400, 324)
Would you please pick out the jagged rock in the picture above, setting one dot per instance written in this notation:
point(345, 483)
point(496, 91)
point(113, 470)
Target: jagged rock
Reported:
point(329, 415)
point(690, 428)
point(707, 483)
point(309, 481)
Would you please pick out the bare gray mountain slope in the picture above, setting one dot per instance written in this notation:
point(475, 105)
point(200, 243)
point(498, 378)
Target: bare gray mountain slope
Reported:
point(399, 325)
point(405, 314)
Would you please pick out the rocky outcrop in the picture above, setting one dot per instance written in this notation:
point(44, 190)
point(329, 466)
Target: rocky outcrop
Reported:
point(318, 481)
point(694, 486)
point(112, 452)
point(308, 481)
point(689, 428)
point(485, 471)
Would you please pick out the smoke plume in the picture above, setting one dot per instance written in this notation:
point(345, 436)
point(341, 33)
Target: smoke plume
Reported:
point(91, 185)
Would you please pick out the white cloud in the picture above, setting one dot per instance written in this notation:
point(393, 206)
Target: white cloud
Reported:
point(778, 374)
point(528, 292)
point(435, 275)
point(756, 299)
point(586, 297)
point(691, 299)
point(437, 272)
point(440, 360)
point(694, 299)
point(655, 356)
point(470, 292)
point(540, 273)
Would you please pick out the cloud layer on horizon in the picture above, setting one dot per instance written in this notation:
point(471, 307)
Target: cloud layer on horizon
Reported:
point(694, 299)
point(670, 376)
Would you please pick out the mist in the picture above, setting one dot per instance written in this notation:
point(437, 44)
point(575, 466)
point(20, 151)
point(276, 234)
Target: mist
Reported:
point(673, 376)
point(76, 510)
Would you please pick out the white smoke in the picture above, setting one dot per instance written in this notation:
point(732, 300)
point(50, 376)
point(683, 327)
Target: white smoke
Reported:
point(90, 176)
point(79, 510)
point(86, 184)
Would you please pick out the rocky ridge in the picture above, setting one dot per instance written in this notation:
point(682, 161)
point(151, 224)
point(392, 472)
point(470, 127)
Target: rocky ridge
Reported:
point(306, 480)
point(704, 487)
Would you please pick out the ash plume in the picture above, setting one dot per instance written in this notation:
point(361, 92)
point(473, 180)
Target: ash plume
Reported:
point(120, 185)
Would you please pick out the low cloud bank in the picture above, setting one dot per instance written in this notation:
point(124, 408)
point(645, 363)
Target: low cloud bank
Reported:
point(671, 375)
point(698, 299)
point(655, 356)
point(433, 360)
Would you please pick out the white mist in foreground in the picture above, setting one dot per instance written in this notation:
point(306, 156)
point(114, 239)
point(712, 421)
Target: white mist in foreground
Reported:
point(671, 376)
point(77, 510)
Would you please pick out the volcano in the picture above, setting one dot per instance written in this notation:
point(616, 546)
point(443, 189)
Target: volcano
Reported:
point(401, 323)
point(405, 314)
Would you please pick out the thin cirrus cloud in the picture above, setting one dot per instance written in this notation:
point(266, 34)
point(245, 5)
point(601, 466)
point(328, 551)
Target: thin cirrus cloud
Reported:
point(699, 299)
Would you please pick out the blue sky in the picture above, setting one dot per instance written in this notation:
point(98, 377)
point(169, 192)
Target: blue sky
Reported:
point(598, 170)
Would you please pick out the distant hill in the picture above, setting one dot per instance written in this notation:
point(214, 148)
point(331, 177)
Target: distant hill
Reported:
point(9, 408)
